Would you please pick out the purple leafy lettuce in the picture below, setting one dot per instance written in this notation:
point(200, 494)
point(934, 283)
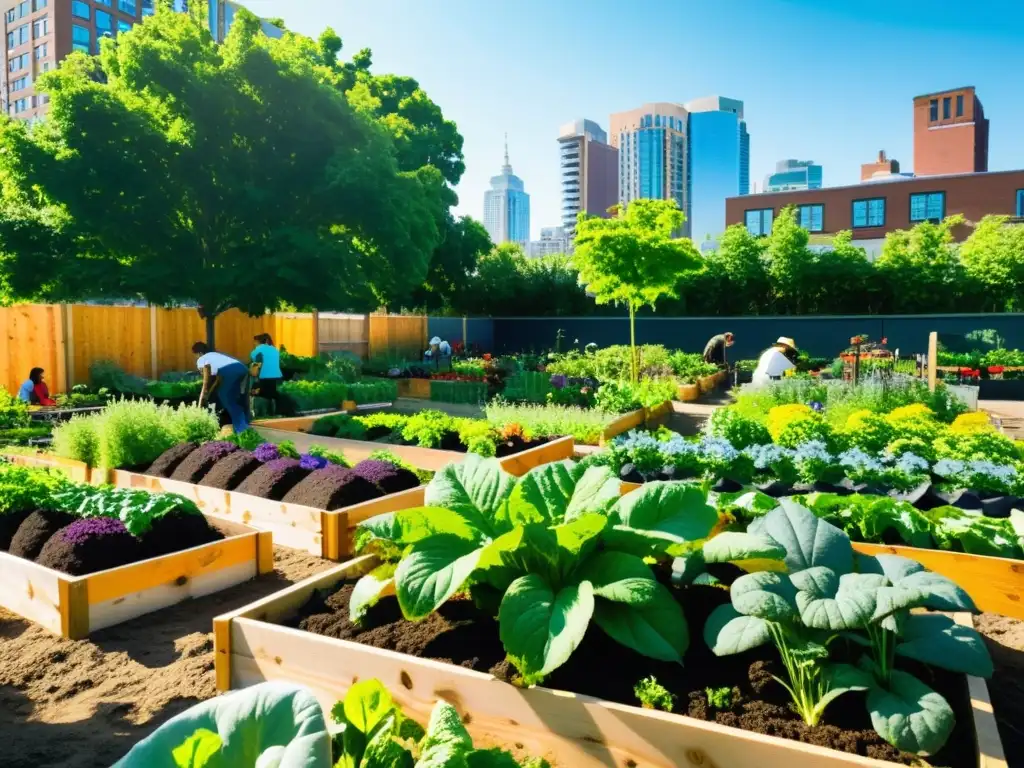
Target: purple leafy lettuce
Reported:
point(218, 449)
point(266, 452)
point(82, 530)
point(306, 461)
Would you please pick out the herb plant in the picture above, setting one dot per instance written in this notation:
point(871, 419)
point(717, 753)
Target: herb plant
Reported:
point(719, 698)
point(653, 695)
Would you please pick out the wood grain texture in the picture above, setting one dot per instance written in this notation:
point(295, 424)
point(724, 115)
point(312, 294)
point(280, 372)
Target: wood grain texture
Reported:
point(31, 335)
point(990, 746)
point(74, 607)
point(32, 591)
point(78, 471)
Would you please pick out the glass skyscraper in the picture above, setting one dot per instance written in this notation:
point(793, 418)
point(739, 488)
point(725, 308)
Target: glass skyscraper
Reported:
point(718, 163)
point(507, 207)
point(793, 175)
point(652, 154)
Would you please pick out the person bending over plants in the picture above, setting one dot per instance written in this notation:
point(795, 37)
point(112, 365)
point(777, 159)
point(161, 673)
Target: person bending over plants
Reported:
point(225, 376)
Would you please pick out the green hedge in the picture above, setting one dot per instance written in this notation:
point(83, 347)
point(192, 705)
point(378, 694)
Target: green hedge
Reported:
point(458, 391)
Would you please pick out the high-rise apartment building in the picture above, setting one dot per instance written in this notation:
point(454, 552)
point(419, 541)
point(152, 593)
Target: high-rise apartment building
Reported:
point(507, 207)
point(791, 175)
point(40, 33)
point(718, 163)
point(950, 133)
point(652, 153)
point(552, 240)
point(590, 172)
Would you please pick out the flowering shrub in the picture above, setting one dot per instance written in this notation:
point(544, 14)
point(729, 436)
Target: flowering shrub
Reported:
point(916, 420)
point(979, 475)
point(967, 423)
point(913, 445)
point(781, 416)
point(739, 430)
point(868, 430)
point(774, 460)
point(814, 463)
point(721, 459)
point(266, 452)
point(977, 445)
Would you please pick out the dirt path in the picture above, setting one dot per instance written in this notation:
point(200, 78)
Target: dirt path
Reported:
point(83, 704)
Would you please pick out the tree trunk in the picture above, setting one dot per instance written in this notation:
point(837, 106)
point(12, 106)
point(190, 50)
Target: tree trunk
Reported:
point(632, 342)
point(211, 331)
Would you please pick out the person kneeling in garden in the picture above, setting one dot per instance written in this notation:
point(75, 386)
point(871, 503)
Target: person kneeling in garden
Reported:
point(775, 361)
point(225, 376)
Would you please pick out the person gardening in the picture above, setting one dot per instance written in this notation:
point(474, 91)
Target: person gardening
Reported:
point(225, 376)
point(34, 390)
point(268, 359)
point(775, 361)
point(439, 350)
point(714, 350)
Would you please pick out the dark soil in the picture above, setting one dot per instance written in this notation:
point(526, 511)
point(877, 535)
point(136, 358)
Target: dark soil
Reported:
point(197, 464)
point(461, 634)
point(388, 477)
point(97, 553)
point(516, 445)
point(169, 460)
point(37, 529)
point(9, 524)
point(274, 479)
point(178, 531)
point(228, 473)
point(332, 488)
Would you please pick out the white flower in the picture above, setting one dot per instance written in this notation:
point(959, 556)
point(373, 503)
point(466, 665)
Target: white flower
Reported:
point(764, 456)
point(948, 468)
point(813, 450)
point(911, 464)
point(857, 460)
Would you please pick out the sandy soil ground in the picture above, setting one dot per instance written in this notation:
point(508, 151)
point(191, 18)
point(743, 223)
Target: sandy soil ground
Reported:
point(83, 704)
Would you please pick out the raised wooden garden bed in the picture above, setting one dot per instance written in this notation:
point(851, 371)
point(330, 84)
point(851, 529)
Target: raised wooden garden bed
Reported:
point(78, 471)
point(317, 531)
point(418, 388)
point(279, 430)
point(687, 393)
point(75, 606)
point(570, 730)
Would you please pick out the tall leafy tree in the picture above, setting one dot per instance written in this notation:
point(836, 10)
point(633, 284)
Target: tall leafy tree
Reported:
point(633, 258)
point(740, 260)
point(789, 263)
point(921, 268)
point(177, 170)
point(993, 257)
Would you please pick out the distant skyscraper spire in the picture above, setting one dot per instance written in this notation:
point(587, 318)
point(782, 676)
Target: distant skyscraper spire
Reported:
point(507, 207)
point(507, 168)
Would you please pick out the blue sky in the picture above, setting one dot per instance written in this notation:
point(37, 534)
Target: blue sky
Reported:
point(826, 80)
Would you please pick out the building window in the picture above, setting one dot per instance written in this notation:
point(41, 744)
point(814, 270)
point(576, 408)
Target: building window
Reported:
point(123, 26)
point(759, 221)
point(945, 107)
point(960, 105)
point(41, 27)
point(37, 4)
point(869, 213)
point(80, 9)
point(42, 51)
point(126, 6)
point(928, 206)
point(1020, 202)
point(18, 106)
point(147, 8)
point(10, 16)
point(104, 22)
point(19, 62)
point(81, 38)
point(811, 217)
point(933, 110)
point(103, 2)
point(23, 9)
point(18, 36)
point(20, 84)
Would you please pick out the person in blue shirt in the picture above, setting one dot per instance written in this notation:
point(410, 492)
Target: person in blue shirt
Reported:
point(269, 359)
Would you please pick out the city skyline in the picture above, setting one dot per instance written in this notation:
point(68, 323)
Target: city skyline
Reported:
point(506, 209)
point(799, 102)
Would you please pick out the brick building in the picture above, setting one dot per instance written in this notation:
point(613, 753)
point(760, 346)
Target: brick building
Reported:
point(883, 166)
point(950, 133)
point(872, 209)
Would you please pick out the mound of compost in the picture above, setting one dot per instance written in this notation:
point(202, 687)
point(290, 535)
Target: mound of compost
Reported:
point(516, 444)
point(36, 530)
point(88, 546)
point(389, 477)
point(274, 479)
point(332, 487)
point(9, 524)
point(169, 460)
point(177, 531)
point(460, 633)
point(228, 473)
point(195, 466)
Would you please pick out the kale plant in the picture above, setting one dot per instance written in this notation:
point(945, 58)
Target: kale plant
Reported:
point(654, 695)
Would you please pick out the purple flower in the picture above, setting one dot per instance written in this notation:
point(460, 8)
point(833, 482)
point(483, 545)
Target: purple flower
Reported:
point(816, 406)
point(266, 452)
point(218, 449)
point(558, 381)
point(82, 530)
point(306, 461)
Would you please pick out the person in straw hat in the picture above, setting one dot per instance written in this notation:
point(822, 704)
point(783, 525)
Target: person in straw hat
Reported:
point(775, 361)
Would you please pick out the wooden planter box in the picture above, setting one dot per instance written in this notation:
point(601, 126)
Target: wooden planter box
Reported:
point(569, 730)
point(317, 531)
point(75, 606)
point(78, 471)
point(659, 412)
point(279, 430)
point(418, 388)
point(624, 423)
point(688, 392)
point(707, 383)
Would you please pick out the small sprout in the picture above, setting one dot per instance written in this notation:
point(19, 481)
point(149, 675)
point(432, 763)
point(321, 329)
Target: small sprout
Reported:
point(719, 698)
point(653, 695)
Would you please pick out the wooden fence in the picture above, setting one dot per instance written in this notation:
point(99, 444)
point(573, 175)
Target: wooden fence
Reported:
point(147, 341)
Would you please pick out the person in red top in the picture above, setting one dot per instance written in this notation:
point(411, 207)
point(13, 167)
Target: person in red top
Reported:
point(40, 392)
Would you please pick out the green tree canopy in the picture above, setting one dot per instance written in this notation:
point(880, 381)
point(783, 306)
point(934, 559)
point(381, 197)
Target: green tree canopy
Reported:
point(177, 170)
point(993, 256)
point(920, 268)
point(633, 258)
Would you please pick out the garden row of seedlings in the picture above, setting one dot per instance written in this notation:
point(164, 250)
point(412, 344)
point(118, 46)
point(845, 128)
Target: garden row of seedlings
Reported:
point(577, 573)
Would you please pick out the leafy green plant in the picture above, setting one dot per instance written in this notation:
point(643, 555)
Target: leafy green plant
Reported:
point(28, 488)
point(653, 695)
point(13, 412)
point(334, 457)
point(138, 510)
point(315, 395)
point(738, 429)
point(428, 428)
point(192, 424)
point(719, 698)
point(528, 387)
point(249, 440)
point(78, 439)
point(829, 593)
point(390, 421)
point(584, 425)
